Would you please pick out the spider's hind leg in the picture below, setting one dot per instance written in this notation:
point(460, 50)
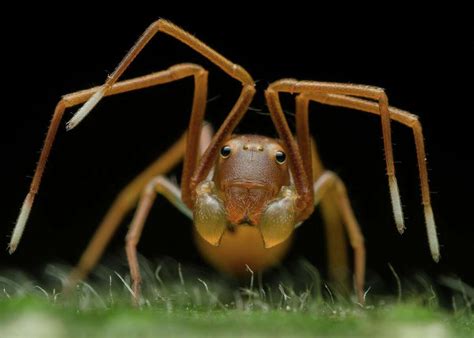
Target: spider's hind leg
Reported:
point(335, 237)
point(340, 223)
point(126, 200)
point(338, 212)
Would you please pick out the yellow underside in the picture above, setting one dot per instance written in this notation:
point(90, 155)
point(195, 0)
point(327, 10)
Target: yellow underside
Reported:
point(239, 248)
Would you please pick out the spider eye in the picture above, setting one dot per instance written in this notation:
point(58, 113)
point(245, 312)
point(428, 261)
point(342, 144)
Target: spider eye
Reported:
point(225, 151)
point(280, 157)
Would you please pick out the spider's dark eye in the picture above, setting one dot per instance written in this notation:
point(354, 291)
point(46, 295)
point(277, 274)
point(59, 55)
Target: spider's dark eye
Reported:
point(280, 157)
point(225, 151)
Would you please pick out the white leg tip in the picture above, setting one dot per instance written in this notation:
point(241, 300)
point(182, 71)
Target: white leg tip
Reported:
point(20, 224)
point(432, 235)
point(396, 204)
point(85, 109)
point(12, 247)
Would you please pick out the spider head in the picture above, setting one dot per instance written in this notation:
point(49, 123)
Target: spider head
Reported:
point(250, 187)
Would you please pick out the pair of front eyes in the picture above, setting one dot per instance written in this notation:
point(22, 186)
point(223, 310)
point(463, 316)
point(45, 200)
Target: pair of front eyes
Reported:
point(280, 156)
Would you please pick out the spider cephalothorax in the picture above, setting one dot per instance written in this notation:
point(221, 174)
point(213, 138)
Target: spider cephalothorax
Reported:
point(250, 187)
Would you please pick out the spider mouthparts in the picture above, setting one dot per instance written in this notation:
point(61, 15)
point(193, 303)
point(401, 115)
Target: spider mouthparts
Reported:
point(246, 221)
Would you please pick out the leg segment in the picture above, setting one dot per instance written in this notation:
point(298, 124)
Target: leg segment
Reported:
point(192, 172)
point(156, 185)
point(174, 73)
point(126, 200)
point(304, 203)
point(408, 120)
point(312, 87)
point(329, 182)
point(164, 26)
point(164, 187)
point(336, 240)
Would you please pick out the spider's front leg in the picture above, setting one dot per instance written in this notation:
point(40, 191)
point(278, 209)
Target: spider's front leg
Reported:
point(364, 98)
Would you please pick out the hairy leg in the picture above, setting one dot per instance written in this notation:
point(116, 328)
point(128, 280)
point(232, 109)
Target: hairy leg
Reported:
point(163, 186)
point(411, 121)
point(174, 73)
point(309, 87)
point(329, 182)
point(127, 200)
point(336, 241)
point(193, 172)
point(171, 192)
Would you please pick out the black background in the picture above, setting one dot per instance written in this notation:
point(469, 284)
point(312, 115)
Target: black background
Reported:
point(423, 62)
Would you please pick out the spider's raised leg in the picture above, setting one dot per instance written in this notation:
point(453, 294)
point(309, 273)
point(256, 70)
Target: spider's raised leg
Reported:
point(192, 172)
point(174, 73)
point(312, 88)
point(408, 120)
point(308, 87)
point(164, 26)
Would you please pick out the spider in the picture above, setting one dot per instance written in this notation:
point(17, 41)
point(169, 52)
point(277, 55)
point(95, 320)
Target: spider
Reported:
point(244, 193)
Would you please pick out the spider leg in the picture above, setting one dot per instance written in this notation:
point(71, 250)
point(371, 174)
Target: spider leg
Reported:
point(301, 178)
point(336, 240)
point(164, 26)
point(173, 73)
point(162, 186)
point(327, 183)
point(312, 87)
point(409, 120)
point(193, 173)
point(127, 199)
